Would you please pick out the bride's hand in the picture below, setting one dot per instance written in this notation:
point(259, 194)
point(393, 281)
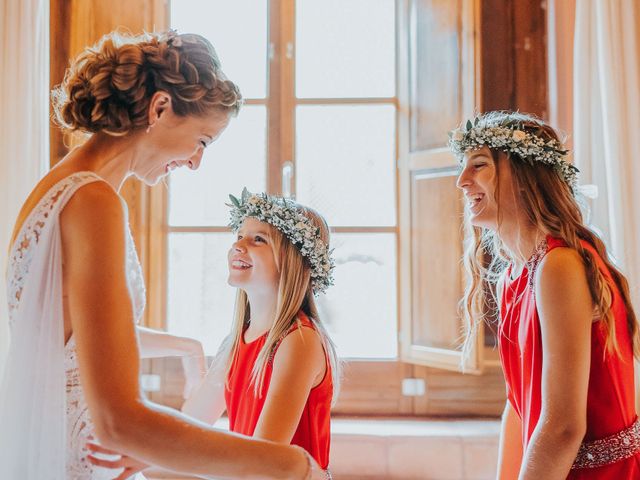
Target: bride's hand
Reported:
point(131, 465)
point(314, 472)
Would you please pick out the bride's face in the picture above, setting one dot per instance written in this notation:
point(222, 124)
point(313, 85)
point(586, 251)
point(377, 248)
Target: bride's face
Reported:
point(252, 264)
point(179, 142)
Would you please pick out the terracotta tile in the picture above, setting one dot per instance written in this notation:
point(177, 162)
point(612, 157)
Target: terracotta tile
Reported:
point(358, 456)
point(426, 458)
point(480, 458)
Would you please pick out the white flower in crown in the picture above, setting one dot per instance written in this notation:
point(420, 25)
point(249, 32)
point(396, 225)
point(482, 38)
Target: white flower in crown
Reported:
point(519, 135)
point(284, 215)
point(457, 136)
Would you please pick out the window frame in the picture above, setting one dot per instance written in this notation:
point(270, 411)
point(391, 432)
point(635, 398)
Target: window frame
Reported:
point(357, 397)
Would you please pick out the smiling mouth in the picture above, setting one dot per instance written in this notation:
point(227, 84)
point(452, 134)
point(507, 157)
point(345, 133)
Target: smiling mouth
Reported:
point(474, 200)
point(171, 166)
point(240, 265)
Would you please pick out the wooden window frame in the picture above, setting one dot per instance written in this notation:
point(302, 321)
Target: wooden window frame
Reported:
point(511, 43)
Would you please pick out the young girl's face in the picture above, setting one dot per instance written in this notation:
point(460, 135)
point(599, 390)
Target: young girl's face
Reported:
point(252, 265)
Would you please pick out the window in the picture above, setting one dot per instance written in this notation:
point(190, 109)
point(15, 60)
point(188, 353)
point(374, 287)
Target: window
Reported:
point(347, 107)
point(334, 134)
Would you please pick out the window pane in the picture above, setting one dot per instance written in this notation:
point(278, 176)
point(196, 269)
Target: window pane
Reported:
point(435, 65)
point(345, 156)
point(237, 30)
point(360, 310)
point(199, 300)
point(237, 159)
point(345, 48)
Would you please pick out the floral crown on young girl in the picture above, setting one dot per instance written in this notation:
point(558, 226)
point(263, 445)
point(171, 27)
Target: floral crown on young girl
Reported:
point(510, 136)
point(287, 217)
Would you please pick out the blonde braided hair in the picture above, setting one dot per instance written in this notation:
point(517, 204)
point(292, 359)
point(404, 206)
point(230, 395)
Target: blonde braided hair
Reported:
point(109, 86)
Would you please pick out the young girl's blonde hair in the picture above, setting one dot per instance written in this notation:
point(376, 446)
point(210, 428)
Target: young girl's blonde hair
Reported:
point(295, 293)
point(550, 205)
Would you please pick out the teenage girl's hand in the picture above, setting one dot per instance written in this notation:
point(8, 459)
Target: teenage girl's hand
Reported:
point(131, 465)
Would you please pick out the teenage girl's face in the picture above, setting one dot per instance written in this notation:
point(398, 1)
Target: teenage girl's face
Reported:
point(252, 265)
point(179, 142)
point(478, 180)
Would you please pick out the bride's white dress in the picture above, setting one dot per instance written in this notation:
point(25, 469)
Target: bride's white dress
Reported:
point(37, 449)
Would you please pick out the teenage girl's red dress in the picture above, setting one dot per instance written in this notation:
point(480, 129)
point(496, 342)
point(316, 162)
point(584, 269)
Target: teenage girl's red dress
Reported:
point(244, 407)
point(611, 396)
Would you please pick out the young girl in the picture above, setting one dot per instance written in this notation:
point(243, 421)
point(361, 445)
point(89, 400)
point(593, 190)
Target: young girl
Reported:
point(568, 332)
point(277, 373)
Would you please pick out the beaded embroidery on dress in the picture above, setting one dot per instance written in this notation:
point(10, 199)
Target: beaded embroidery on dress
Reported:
point(79, 427)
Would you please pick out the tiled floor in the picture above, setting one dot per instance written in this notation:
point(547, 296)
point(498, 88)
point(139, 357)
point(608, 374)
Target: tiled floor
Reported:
point(391, 449)
point(410, 449)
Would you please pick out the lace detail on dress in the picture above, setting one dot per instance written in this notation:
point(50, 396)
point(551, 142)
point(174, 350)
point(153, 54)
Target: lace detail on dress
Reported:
point(27, 239)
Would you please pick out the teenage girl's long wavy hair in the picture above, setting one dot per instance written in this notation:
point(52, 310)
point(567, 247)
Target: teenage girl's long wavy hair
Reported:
point(550, 205)
point(295, 293)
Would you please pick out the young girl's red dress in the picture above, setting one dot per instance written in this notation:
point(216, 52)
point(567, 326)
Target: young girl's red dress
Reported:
point(244, 406)
point(611, 395)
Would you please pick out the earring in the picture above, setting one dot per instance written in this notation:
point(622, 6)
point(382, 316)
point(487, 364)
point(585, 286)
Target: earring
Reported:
point(149, 127)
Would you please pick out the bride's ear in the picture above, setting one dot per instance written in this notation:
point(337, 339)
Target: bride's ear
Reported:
point(159, 106)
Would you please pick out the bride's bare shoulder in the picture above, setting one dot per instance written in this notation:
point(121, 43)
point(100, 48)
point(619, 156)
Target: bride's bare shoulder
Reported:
point(95, 209)
point(42, 188)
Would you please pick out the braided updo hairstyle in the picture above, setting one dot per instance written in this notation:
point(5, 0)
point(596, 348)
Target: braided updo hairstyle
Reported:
point(109, 86)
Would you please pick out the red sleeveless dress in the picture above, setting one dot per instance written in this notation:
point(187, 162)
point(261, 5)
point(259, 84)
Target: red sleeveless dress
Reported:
point(611, 395)
point(244, 407)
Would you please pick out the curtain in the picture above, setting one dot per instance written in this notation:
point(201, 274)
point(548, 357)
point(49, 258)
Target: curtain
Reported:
point(24, 119)
point(606, 122)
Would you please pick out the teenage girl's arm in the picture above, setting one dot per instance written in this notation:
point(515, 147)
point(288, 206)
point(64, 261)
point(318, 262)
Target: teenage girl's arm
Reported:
point(510, 449)
point(566, 313)
point(101, 316)
point(298, 365)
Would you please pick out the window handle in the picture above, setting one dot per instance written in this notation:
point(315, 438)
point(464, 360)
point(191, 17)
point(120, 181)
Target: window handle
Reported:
point(287, 179)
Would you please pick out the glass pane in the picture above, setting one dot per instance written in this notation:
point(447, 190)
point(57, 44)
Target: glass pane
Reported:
point(437, 250)
point(435, 65)
point(345, 49)
point(237, 30)
point(360, 310)
point(232, 162)
point(199, 300)
point(345, 157)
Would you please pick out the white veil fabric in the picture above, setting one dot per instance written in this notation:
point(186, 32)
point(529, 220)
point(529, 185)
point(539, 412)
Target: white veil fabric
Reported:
point(33, 389)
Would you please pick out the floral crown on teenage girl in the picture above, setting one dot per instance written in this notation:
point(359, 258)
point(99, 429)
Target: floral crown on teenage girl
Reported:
point(287, 217)
point(510, 136)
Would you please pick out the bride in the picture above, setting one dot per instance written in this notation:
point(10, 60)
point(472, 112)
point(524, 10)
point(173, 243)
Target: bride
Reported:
point(150, 104)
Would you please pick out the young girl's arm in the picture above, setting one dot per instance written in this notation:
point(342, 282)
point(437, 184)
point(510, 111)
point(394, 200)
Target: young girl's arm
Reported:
point(566, 312)
point(510, 450)
point(154, 343)
point(298, 365)
point(206, 402)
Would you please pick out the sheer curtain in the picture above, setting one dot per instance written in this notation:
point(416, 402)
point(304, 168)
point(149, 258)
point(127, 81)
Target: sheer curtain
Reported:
point(606, 113)
point(606, 119)
point(24, 119)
